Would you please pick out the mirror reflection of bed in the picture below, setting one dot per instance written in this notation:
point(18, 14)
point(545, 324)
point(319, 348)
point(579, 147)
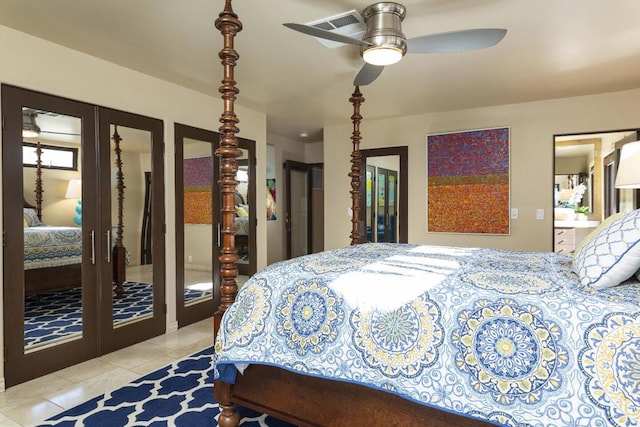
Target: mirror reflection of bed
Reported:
point(241, 220)
point(52, 230)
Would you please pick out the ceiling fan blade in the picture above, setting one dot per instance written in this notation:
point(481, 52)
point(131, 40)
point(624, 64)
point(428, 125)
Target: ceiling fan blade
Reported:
point(323, 34)
point(367, 74)
point(59, 133)
point(456, 41)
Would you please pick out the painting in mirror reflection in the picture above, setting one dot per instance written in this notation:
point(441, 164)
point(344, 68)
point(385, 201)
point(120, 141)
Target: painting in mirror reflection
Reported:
point(198, 221)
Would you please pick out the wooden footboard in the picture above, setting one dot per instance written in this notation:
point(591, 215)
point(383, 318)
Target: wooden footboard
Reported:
point(51, 279)
point(309, 401)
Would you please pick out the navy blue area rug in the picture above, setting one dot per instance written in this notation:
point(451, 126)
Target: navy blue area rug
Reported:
point(55, 316)
point(180, 395)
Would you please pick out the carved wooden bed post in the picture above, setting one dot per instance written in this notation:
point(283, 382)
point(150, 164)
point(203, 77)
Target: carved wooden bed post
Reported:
point(228, 25)
point(119, 251)
point(356, 157)
point(39, 189)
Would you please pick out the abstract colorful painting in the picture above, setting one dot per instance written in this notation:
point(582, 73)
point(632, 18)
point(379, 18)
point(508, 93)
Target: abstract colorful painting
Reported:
point(271, 183)
point(468, 181)
point(198, 181)
point(271, 199)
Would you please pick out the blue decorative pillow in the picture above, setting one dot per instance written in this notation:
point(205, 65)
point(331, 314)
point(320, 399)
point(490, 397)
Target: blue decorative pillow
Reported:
point(613, 255)
point(31, 217)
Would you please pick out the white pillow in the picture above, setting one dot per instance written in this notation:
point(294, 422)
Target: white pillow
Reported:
point(613, 255)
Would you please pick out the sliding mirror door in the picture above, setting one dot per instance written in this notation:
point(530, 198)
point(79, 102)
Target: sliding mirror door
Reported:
point(132, 228)
point(196, 191)
point(198, 220)
point(49, 214)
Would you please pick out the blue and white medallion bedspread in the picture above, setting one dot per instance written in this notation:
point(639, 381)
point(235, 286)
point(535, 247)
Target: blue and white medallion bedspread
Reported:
point(48, 246)
point(511, 337)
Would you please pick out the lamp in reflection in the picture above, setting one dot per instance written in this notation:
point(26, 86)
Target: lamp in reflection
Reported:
point(74, 191)
point(242, 175)
point(629, 169)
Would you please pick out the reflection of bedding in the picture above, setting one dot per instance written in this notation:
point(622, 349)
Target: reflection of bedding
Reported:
point(512, 337)
point(48, 246)
point(242, 225)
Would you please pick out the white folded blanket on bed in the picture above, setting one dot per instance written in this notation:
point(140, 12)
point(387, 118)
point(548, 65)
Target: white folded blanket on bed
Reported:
point(407, 276)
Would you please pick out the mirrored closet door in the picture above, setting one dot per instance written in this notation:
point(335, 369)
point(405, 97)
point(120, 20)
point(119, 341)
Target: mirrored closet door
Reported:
point(82, 185)
point(384, 195)
point(49, 210)
point(132, 228)
point(198, 220)
point(196, 185)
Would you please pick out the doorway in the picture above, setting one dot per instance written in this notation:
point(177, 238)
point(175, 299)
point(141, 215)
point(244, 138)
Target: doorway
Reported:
point(384, 195)
point(584, 193)
point(69, 290)
point(304, 204)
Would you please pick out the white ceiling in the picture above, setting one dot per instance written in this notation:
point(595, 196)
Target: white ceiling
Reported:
point(552, 49)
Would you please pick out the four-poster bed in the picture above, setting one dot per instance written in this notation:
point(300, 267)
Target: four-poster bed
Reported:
point(53, 254)
point(398, 334)
point(296, 398)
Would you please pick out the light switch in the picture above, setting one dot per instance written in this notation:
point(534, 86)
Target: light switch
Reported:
point(514, 213)
point(539, 214)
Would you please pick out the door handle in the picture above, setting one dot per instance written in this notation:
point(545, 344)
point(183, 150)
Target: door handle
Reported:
point(93, 247)
point(108, 245)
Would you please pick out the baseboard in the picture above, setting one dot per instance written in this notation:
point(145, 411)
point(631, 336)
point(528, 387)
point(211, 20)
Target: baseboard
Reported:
point(172, 326)
point(2, 384)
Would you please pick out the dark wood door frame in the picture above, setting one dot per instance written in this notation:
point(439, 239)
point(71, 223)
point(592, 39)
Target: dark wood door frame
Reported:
point(307, 168)
point(20, 367)
point(251, 268)
point(196, 312)
point(123, 336)
point(403, 195)
point(615, 157)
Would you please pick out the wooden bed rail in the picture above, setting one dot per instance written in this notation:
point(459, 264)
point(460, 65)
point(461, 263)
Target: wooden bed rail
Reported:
point(356, 158)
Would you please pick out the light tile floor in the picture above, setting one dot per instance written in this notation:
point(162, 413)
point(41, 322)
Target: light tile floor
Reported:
point(30, 403)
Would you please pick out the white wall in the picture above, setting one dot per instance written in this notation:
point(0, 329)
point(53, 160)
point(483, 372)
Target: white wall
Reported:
point(532, 128)
point(285, 149)
point(86, 78)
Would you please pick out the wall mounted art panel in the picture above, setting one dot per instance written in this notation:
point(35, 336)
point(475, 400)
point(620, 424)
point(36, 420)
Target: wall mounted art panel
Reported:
point(468, 181)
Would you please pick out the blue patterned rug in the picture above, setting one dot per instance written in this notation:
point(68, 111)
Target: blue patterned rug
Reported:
point(55, 316)
point(180, 394)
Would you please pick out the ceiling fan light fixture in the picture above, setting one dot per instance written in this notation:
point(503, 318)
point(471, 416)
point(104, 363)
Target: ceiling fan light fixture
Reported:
point(382, 55)
point(30, 128)
point(385, 43)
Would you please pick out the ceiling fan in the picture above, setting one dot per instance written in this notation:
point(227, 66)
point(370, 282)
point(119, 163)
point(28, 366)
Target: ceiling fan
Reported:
point(30, 128)
point(384, 43)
